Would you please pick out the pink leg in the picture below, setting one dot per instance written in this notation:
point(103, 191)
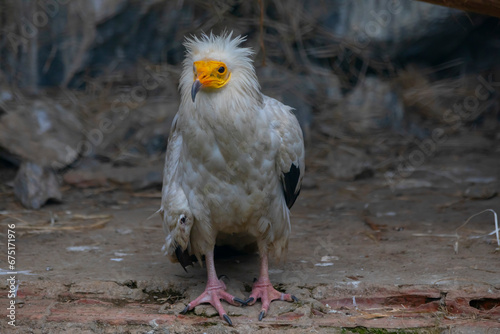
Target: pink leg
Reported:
point(263, 289)
point(214, 292)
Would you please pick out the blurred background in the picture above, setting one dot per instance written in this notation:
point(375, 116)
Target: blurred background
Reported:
point(88, 88)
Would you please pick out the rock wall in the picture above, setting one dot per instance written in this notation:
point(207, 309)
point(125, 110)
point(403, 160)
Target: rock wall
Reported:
point(60, 42)
point(88, 86)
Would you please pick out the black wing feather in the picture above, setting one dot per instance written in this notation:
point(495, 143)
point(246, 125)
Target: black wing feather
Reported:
point(183, 257)
point(289, 182)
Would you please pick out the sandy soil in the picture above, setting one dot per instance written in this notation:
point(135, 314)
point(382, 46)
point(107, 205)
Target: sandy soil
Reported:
point(362, 255)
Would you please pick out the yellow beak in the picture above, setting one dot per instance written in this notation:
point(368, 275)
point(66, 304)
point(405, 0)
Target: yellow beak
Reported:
point(209, 74)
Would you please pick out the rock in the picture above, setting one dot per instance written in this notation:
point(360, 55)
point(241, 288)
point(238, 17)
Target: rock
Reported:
point(349, 164)
point(395, 29)
point(309, 182)
point(480, 192)
point(35, 185)
point(105, 290)
point(297, 91)
point(116, 33)
point(317, 305)
point(101, 175)
point(468, 142)
point(42, 132)
point(136, 135)
point(372, 105)
point(451, 102)
point(137, 177)
point(86, 36)
point(168, 308)
point(407, 183)
point(85, 178)
point(283, 308)
point(5, 95)
point(205, 310)
point(319, 292)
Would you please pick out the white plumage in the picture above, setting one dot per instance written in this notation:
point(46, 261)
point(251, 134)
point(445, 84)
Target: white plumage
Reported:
point(234, 164)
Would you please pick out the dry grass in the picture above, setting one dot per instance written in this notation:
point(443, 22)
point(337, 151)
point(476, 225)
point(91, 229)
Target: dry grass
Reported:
point(36, 223)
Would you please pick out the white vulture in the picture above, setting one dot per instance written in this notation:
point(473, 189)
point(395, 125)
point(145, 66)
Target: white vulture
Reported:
point(234, 166)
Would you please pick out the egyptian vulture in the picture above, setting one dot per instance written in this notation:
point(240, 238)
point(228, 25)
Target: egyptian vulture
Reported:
point(234, 166)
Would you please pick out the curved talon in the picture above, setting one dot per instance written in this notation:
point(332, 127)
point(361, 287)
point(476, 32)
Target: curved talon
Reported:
point(255, 280)
point(241, 301)
point(295, 299)
point(185, 309)
point(249, 300)
point(226, 317)
point(261, 315)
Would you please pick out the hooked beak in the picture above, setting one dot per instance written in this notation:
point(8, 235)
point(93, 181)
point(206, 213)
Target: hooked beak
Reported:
point(195, 88)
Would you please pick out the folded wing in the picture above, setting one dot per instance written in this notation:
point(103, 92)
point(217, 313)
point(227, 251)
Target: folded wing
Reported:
point(290, 157)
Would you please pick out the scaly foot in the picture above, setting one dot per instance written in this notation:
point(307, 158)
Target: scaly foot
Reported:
point(214, 292)
point(263, 289)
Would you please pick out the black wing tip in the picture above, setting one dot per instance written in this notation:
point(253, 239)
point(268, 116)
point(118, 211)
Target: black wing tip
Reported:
point(290, 181)
point(183, 257)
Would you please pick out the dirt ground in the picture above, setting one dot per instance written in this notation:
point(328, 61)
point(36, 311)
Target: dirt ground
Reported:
point(380, 254)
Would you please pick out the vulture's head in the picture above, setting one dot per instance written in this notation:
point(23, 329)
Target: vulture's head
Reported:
point(217, 66)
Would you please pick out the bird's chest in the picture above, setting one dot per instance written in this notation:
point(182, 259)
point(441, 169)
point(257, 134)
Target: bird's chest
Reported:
point(228, 167)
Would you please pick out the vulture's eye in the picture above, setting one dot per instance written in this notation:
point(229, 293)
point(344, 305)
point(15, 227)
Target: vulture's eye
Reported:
point(221, 69)
point(183, 219)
